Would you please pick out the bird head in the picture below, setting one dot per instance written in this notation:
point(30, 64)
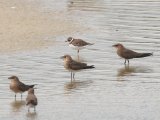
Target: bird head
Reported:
point(31, 90)
point(14, 78)
point(66, 57)
point(69, 39)
point(118, 46)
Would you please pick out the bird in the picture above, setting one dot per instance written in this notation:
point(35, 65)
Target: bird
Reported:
point(129, 54)
point(74, 66)
point(17, 86)
point(77, 44)
point(31, 100)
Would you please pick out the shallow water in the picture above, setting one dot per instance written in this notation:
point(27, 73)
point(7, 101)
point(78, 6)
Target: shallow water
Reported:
point(111, 91)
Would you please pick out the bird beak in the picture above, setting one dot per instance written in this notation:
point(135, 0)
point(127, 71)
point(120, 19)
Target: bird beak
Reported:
point(62, 57)
point(10, 78)
point(114, 45)
point(66, 41)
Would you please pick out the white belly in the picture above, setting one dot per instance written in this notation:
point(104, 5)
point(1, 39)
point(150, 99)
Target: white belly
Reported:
point(76, 47)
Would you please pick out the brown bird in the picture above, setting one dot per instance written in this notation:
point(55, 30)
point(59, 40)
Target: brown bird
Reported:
point(73, 65)
point(18, 87)
point(77, 44)
point(31, 100)
point(129, 54)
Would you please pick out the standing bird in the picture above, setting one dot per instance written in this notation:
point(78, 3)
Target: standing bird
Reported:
point(17, 86)
point(31, 100)
point(73, 65)
point(129, 54)
point(77, 44)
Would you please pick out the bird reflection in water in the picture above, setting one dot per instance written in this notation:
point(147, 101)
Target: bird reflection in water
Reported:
point(128, 70)
point(77, 85)
point(32, 115)
point(17, 105)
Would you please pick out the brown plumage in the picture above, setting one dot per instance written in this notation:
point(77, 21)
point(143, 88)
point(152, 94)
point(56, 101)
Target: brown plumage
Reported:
point(73, 65)
point(129, 54)
point(17, 86)
point(31, 100)
point(77, 43)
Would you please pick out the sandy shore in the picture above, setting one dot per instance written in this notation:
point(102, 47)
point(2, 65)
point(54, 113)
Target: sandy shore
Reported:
point(24, 26)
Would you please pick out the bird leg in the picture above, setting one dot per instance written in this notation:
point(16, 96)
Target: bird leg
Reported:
point(34, 109)
point(125, 62)
point(15, 97)
point(71, 77)
point(21, 96)
point(78, 54)
point(28, 109)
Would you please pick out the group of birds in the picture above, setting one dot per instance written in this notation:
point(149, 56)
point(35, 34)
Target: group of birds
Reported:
point(18, 87)
point(72, 65)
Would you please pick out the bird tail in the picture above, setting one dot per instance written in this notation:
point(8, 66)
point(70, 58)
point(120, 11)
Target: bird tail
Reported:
point(89, 67)
point(31, 86)
point(90, 43)
point(144, 55)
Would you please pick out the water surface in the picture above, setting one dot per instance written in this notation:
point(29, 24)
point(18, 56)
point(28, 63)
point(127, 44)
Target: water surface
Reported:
point(111, 91)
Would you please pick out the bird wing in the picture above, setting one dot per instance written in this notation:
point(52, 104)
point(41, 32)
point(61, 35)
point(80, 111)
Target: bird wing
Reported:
point(22, 86)
point(129, 54)
point(79, 42)
point(77, 65)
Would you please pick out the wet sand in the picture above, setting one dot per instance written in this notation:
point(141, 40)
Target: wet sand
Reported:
point(25, 26)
